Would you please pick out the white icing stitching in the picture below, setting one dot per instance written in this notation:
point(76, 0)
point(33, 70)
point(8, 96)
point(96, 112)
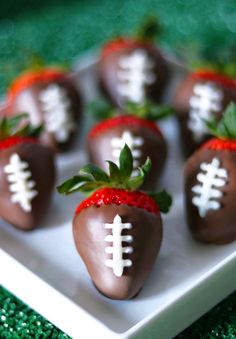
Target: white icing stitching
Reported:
point(21, 186)
point(117, 263)
point(56, 106)
point(134, 144)
point(206, 100)
point(207, 192)
point(136, 71)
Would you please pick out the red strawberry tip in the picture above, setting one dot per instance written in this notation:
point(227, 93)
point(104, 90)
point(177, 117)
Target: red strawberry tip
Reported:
point(113, 196)
point(120, 43)
point(219, 144)
point(208, 75)
point(123, 120)
point(29, 78)
point(16, 140)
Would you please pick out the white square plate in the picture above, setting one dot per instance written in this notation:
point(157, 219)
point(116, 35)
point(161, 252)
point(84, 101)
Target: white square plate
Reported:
point(43, 269)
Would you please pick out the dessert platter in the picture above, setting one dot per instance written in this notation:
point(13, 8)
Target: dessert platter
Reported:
point(140, 272)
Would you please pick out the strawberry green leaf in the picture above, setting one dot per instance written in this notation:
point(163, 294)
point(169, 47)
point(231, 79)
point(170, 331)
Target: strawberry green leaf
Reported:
point(148, 110)
point(126, 162)
point(229, 120)
point(146, 167)
point(211, 126)
point(113, 170)
point(17, 125)
point(30, 131)
point(13, 122)
point(226, 127)
point(89, 187)
point(137, 181)
point(163, 200)
point(36, 131)
point(158, 112)
point(72, 185)
point(100, 109)
point(23, 131)
point(91, 178)
point(3, 128)
point(96, 173)
point(222, 130)
point(139, 110)
point(134, 183)
point(9, 125)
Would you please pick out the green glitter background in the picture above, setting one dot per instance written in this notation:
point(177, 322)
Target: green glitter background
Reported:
point(60, 31)
point(17, 320)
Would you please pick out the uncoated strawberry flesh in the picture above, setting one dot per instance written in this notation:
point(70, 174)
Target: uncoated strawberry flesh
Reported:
point(33, 77)
point(217, 144)
point(121, 43)
point(215, 77)
point(15, 140)
point(109, 196)
point(127, 120)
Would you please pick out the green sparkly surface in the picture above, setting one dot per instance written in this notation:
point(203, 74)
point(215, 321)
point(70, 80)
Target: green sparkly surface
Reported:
point(220, 322)
point(62, 30)
point(18, 321)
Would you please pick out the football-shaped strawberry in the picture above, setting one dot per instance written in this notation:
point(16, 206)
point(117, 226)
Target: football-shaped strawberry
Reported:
point(50, 97)
point(142, 135)
point(117, 229)
point(202, 95)
point(132, 69)
point(210, 184)
point(27, 175)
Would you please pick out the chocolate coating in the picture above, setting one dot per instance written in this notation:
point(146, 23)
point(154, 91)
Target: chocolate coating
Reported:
point(109, 67)
point(28, 101)
point(218, 226)
point(41, 165)
point(154, 146)
point(89, 235)
point(182, 106)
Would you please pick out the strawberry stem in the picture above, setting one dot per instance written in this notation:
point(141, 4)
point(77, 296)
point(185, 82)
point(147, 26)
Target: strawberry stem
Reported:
point(149, 29)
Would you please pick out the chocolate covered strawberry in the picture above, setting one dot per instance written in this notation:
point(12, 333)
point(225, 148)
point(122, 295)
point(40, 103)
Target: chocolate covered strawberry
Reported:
point(210, 184)
point(138, 130)
point(201, 95)
point(50, 97)
point(117, 229)
point(27, 174)
point(132, 69)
